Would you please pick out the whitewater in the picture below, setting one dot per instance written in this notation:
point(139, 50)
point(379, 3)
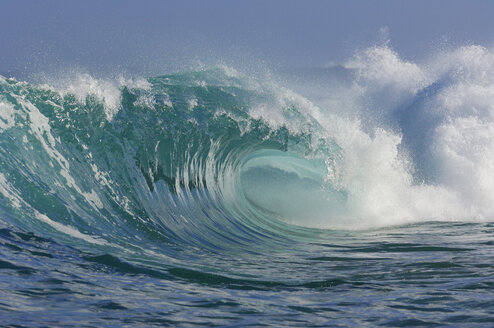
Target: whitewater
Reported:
point(211, 197)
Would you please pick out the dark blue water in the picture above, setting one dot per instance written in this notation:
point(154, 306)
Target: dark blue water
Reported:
point(431, 274)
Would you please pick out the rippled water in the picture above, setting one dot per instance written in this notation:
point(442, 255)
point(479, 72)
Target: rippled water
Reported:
point(419, 275)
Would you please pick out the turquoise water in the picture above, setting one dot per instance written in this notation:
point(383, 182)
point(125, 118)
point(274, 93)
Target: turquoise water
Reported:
point(210, 198)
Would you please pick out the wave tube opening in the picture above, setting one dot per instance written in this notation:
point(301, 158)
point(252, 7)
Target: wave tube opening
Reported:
point(290, 188)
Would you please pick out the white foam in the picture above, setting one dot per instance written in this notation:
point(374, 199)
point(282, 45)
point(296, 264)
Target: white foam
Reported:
point(68, 230)
point(452, 123)
point(93, 198)
point(380, 66)
point(461, 146)
point(192, 103)
point(7, 112)
point(8, 192)
point(107, 91)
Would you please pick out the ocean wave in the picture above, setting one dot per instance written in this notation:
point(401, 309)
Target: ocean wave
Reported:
point(214, 159)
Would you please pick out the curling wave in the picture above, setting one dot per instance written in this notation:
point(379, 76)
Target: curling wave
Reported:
point(214, 160)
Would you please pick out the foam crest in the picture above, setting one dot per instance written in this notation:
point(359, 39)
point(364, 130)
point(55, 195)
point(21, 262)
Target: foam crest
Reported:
point(432, 156)
point(106, 90)
point(418, 144)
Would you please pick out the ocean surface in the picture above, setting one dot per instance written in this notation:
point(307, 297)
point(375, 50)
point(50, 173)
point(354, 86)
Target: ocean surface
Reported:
point(355, 195)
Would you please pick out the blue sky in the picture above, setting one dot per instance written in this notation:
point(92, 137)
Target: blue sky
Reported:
point(158, 36)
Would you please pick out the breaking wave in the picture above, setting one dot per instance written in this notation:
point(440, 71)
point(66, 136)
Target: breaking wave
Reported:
point(215, 159)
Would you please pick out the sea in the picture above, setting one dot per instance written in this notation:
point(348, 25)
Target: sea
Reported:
point(353, 195)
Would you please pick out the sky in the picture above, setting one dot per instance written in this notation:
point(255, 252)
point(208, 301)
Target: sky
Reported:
point(153, 37)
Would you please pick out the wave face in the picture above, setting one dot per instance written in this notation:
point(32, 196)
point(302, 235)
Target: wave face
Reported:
point(190, 170)
point(180, 159)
